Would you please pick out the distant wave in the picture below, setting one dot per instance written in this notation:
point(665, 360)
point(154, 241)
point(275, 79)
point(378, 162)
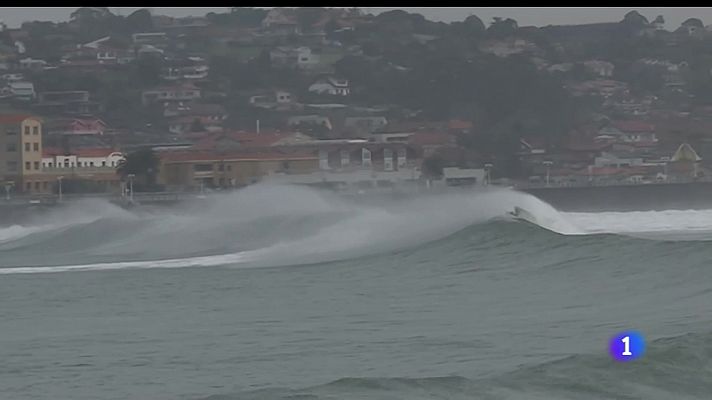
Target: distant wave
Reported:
point(673, 368)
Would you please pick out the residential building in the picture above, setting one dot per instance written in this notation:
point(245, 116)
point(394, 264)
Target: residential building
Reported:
point(278, 99)
point(72, 102)
point(215, 112)
point(357, 164)
point(150, 38)
point(331, 85)
point(95, 165)
point(281, 22)
point(191, 68)
point(300, 57)
point(318, 120)
point(76, 126)
point(33, 64)
point(165, 94)
point(79, 158)
point(21, 153)
point(638, 132)
point(364, 125)
point(684, 163)
point(195, 169)
point(24, 91)
point(601, 68)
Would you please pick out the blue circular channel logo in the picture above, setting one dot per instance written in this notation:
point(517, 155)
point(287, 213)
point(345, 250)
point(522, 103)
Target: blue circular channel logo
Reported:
point(626, 346)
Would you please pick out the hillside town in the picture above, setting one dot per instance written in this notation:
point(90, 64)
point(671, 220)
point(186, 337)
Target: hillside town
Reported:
point(339, 98)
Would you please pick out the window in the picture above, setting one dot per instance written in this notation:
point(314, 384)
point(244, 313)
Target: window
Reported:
point(10, 133)
point(45, 185)
point(103, 163)
point(28, 186)
point(36, 146)
point(27, 130)
point(35, 130)
point(91, 163)
point(28, 165)
point(37, 185)
point(11, 166)
point(27, 147)
point(202, 167)
point(37, 165)
point(11, 147)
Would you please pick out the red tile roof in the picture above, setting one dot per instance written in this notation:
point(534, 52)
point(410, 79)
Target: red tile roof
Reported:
point(634, 126)
point(189, 156)
point(79, 152)
point(459, 124)
point(246, 139)
point(14, 118)
point(429, 139)
point(585, 144)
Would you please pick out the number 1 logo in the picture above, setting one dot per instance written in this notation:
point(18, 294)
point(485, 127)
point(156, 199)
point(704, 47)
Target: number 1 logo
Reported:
point(626, 346)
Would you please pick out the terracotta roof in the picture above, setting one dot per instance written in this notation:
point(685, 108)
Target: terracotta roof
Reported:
point(14, 118)
point(586, 144)
point(189, 156)
point(246, 139)
point(634, 126)
point(616, 171)
point(459, 124)
point(79, 152)
point(429, 139)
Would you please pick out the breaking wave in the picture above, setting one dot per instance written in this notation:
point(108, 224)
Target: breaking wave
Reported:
point(267, 225)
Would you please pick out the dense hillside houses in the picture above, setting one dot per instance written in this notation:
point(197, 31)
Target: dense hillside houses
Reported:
point(314, 95)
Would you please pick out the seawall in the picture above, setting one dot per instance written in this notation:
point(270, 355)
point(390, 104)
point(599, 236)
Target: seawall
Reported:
point(680, 196)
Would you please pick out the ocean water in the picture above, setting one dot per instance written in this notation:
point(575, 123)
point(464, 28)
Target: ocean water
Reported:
point(290, 293)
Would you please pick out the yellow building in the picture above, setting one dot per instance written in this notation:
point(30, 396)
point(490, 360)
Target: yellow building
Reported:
point(214, 169)
point(21, 154)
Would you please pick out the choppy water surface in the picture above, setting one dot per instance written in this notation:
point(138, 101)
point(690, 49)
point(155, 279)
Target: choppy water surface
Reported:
point(285, 293)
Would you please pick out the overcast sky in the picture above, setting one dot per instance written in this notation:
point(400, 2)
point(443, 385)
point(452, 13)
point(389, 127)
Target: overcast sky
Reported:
point(14, 16)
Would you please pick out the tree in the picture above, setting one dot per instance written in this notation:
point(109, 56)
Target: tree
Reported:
point(502, 28)
point(433, 166)
point(140, 21)
point(248, 17)
point(197, 126)
point(634, 18)
point(308, 16)
point(694, 22)
point(85, 14)
point(142, 163)
point(474, 24)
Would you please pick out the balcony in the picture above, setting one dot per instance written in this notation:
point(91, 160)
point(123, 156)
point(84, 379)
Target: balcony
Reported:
point(78, 171)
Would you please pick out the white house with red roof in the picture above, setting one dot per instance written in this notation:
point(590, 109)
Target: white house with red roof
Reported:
point(639, 132)
point(78, 126)
point(331, 85)
point(54, 158)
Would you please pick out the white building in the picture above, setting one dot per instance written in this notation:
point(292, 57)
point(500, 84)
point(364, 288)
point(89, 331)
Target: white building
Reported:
point(22, 90)
point(332, 86)
point(81, 158)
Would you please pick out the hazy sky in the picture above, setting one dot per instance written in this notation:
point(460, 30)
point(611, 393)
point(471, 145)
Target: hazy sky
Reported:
point(14, 16)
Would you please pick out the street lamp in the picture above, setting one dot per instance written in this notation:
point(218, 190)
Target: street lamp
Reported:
point(131, 192)
point(488, 167)
point(548, 168)
point(59, 188)
point(8, 186)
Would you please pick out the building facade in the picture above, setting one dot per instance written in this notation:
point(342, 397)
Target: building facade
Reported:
point(21, 154)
